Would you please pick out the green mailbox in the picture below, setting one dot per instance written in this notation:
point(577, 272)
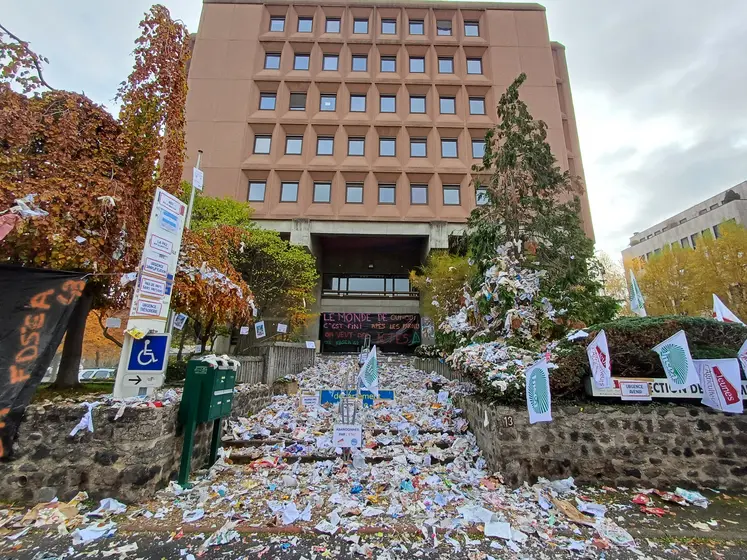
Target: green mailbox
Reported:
point(207, 397)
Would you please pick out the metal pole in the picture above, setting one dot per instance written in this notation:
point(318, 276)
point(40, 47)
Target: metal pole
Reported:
point(188, 221)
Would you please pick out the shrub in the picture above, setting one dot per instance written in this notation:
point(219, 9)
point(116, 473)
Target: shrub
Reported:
point(176, 370)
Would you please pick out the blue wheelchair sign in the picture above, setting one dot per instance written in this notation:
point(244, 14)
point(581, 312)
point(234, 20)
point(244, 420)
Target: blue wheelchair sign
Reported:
point(150, 354)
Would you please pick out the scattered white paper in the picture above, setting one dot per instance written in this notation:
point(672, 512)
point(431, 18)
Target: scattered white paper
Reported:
point(578, 334)
point(94, 532)
point(192, 516)
point(499, 529)
point(109, 506)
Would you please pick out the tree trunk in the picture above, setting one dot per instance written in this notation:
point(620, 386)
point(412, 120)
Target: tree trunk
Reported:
point(67, 375)
point(181, 344)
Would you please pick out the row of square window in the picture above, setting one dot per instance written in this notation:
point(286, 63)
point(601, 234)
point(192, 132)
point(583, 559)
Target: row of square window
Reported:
point(354, 193)
point(388, 26)
point(325, 146)
point(387, 103)
point(330, 63)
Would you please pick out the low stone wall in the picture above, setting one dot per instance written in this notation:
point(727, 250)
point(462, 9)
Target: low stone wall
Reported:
point(429, 365)
point(129, 458)
point(659, 445)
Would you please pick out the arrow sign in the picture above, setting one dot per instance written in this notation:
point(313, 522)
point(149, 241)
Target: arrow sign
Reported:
point(136, 380)
point(144, 380)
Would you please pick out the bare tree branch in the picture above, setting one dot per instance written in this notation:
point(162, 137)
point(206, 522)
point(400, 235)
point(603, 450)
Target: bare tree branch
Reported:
point(34, 57)
point(105, 329)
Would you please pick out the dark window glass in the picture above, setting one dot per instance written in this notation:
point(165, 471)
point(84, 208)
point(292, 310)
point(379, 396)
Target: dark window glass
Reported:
point(288, 192)
point(474, 66)
point(262, 144)
point(417, 104)
point(277, 24)
point(447, 105)
point(451, 196)
point(388, 27)
point(360, 63)
point(301, 62)
point(360, 26)
point(387, 147)
point(471, 29)
point(322, 192)
point(305, 24)
point(358, 103)
point(419, 194)
point(387, 194)
point(476, 105)
point(356, 146)
point(354, 194)
point(327, 102)
point(417, 65)
point(272, 61)
point(297, 101)
point(267, 101)
point(417, 27)
point(448, 148)
point(388, 64)
point(256, 191)
point(445, 65)
point(388, 104)
point(418, 147)
point(443, 27)
point(333, 25)
point(294, 145)
point(330, 62)
point(325, 146)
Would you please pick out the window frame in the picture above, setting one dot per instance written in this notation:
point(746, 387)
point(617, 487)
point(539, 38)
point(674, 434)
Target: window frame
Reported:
point(305, 19)
point(249, 191)
point(268, 95)
point(293, 137)
point(356, 139)
point(333, 19)
point(325, 139)
point(273, 55)
point(419, 140)
point(479, 61)
point(418, 97)
point(420, 22)
point(482, 100)
point(480, 141)
point(471, 23)
point(358, 96)
point(282, 191)
point(296, 94)
point(440, 23)
point(449, 59)
point(387, 139)
point(414, 58)
point(387, 59)
point(301, 56)
point(274, 19)
point(263, 137)
point(456, 148)
point(349, 186)
point(386, 21)
point(452, 188)
point(447, 99)
point(356, 21)
point(330, 56)
point(359, 57)
point(423, 186)
point(329, 192)
point(390, 98)
point(388, 186)
point(321, 101)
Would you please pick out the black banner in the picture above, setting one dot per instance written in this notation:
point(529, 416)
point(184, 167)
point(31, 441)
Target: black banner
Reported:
point(346, 332)
point(36, 307)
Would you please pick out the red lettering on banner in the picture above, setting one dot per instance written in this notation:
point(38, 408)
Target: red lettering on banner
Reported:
point(39, 301)
point(17, 375)
point(72, 290)
point(34, 322)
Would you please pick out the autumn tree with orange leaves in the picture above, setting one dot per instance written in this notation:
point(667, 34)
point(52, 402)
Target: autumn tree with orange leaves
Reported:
point(95, 175)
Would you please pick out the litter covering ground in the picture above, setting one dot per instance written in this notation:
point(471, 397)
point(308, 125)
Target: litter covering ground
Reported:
point(418, 488)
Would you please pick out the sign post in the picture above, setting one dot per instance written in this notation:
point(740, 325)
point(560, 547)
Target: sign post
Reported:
point(151, 300)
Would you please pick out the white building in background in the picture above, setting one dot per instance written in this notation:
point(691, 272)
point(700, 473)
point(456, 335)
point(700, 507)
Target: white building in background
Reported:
point(684, 229)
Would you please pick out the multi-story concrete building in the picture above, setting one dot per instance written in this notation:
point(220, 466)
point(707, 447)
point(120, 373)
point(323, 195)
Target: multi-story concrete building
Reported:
point(684, 229)
point(352, 127)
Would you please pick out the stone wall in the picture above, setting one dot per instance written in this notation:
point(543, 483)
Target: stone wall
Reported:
point(636, 445)
point(129, 458)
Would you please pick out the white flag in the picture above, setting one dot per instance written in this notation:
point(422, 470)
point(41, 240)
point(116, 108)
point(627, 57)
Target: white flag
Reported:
point(369, 375)
point(722, 313)
point(721, 383)
point(538, 393)
point(676, 360)
point(742, 355)
point(636, 297)
point(599, 360)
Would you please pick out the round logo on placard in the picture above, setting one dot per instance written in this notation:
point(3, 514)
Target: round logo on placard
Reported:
point(674, 359)
point(539, 397)
point(354, 441)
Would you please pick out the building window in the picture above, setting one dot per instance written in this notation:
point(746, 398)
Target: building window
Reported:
point(277, 24)
point(356, 146)
point(332, 26)
point(256, 191)
point(443, 27)
point(388, 27)
point(418, 147)
point(322, 192)
point(330, 62)
point(262, 144)
point(272, 61)
point(288, 192)
point(360, 26)
point(471, 29)
point(360, 63)
point(694, 239)
point(478, 148)
point(683, 220)
point(448, 147)
point(713, 206)
point(474, 66)
point(418, 194)
point(297, 101)
point(447, 106)
point(267, 101)
point(301, 62)
point(685, 243)
point(476, 105)
point(417, 65)
point(481, 196)
point(354, 193)
point(417, 27)
point(717, 231)
point(648, 256)
point(305, 24)
point(417, 104)
point(357, 103)
point(293, 145)
point(388, 63)
point(388, 104)
point(328, 102)
point(325, 146)
point(387, 194)
point(445, 65)
point(387, 147)
point(451, 195)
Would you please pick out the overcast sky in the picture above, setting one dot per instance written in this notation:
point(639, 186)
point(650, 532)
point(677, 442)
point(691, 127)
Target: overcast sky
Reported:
point(659, 87)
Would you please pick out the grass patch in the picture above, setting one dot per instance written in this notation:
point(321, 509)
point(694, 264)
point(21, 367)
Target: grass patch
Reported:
point(47, 392)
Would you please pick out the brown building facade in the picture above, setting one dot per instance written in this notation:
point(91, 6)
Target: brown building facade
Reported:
point(352, 127)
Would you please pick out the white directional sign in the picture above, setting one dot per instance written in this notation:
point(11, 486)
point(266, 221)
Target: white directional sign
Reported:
point(143, 380)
